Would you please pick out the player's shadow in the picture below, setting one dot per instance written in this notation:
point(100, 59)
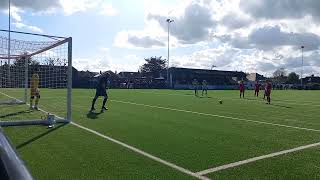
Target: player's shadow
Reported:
point(205, 97)
point(15, 114)
point(40, 136)
point(93, 115)
point(189, 94)
point(281, 106)
point(251, 99)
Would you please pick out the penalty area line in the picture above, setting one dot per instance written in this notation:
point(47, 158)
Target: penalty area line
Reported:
point(250, 160)
point(220, 116)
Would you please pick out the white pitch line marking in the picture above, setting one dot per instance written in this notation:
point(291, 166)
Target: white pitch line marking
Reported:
point(233, 99)
point(143, 153)
point(220, 116)
point(181, 169)
point(239, 163)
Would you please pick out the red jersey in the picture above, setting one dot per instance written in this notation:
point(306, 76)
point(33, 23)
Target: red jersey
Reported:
point(257, 87)
point(241, 87)
point(269, 87)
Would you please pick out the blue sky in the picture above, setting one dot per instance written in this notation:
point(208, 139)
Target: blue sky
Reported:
point(231, 34)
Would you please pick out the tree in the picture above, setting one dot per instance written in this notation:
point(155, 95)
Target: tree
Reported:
point(293, 78)
point(153, 66)
point(280, 73)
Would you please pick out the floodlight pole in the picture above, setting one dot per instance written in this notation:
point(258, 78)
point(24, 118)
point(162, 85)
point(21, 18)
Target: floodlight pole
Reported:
point(9, 44)
point(302, 47)
point(168, 65)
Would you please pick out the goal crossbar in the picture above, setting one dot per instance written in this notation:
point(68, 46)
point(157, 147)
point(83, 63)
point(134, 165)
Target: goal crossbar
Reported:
point(26, 49)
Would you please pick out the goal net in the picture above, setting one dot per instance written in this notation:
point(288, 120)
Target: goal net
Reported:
point(34, 69)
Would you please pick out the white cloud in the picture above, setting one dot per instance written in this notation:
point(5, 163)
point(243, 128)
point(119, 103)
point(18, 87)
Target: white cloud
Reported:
point(241, 40)
point(52, 6)
point(104, 61)
point(193, 26)
point(73, 6)
point(140, 39)
point(108, 10)
point(29, 27)
point(275, 9)
point(34, 5)
point(15, 14)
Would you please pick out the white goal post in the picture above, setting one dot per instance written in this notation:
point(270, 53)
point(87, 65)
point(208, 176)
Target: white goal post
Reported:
point(22, 56)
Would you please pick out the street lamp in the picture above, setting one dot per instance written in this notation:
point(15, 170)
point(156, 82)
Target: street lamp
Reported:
point(302, 47)
point(168, 79)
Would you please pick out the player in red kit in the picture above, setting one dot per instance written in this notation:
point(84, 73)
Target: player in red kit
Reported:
point(242, 88)
point(268, 91)
point(265, 90)
point(257, 88)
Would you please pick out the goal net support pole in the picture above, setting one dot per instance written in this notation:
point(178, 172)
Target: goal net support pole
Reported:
point(69, 83)
point(26, 73)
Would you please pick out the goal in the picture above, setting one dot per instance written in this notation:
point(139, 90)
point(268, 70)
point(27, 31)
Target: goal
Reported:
point(21, 57)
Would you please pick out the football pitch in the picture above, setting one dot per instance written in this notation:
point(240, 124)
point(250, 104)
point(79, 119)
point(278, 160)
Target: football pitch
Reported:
point(171, 134)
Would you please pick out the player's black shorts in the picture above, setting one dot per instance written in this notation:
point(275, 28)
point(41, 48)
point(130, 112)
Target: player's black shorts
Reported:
point(38, 96)
point(35, 93)
point(101, 92)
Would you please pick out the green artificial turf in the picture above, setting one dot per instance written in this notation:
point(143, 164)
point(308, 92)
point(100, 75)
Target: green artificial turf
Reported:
point(67, 152)
point(192, 132)
point(299, 165)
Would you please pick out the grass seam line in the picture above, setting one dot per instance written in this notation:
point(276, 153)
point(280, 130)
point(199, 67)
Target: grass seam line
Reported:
point(250, 160)
point(220, 116)
point(169, 164)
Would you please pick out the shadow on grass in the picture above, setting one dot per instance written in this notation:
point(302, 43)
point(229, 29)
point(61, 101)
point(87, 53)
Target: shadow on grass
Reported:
point(189, 94)
point(252, 99)
point(93, 115)
point(15, 114)
point(40, 136)
point(282, 106)
point(205, 97)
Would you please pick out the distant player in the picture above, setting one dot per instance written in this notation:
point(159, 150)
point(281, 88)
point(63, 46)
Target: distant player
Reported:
point(195, 85)
point(268, 91)
point(265, 90)
point(101, 90)
point(242, 88)
point(34, 90)
point(257, 89)
point(204, 87)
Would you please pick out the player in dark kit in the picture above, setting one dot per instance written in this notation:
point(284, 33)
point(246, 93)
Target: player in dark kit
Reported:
point(101, 90)
point(242, 88)
point(257, 88)
point(195, 85)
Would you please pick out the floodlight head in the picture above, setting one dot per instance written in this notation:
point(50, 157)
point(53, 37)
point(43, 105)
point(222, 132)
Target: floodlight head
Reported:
point(170, 20)
point(302, 47)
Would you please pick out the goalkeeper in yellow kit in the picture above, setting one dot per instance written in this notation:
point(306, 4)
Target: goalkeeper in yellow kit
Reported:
point(34, 90)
